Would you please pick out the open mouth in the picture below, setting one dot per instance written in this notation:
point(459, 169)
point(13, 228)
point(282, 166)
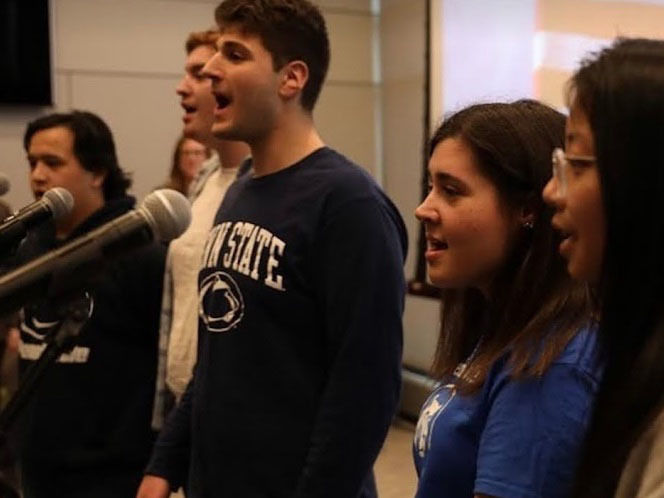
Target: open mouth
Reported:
point(563, 234)
point(222, 101)
point(566, 240)
point(436, 245)
point(189, 111)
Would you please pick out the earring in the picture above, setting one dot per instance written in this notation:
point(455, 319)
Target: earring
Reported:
point(528, 225)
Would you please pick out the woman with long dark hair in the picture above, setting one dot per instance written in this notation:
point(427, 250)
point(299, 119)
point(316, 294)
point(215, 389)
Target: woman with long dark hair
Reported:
point(607, 190)
point(515, 356)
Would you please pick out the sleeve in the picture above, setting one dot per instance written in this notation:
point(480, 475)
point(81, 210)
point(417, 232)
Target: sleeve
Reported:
point(642, 476)
point(360, 285)
point(170, 454)
point(535, 427)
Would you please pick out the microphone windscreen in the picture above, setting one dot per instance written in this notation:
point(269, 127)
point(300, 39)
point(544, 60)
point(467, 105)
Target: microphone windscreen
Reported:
point(4, 184)
point(59, 200)
point(168, 213)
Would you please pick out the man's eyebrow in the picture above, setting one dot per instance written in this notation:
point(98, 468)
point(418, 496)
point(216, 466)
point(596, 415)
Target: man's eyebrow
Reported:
point(43, 156)
point(442, 176)
point(194, 67)
point(231, 44)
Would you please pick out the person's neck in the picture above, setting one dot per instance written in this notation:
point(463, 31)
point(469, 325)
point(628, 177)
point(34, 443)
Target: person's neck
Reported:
point(64, 227)
point(231, 152)
point(291, 140)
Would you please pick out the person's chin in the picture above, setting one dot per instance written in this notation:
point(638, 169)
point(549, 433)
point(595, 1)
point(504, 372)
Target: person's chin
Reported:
point(573, 271)
point(225, 132)
point(191, 130)
point(443, 280)
point(580, 270)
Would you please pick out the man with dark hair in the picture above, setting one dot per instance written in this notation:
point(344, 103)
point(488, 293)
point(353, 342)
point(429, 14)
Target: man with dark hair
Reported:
point(86, 431)
point(86, 137)
point(301, 288)
point(289, 31)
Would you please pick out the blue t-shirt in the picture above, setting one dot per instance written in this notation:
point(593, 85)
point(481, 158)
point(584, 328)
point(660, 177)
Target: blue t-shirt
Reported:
point(513, 438)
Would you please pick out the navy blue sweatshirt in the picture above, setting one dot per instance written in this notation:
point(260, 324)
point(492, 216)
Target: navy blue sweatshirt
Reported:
point(298, 377)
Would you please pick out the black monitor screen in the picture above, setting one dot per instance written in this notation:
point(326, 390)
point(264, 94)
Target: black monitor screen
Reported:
point(25, 59)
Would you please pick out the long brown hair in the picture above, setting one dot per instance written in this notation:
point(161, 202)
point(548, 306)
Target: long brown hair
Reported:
point(535, 308)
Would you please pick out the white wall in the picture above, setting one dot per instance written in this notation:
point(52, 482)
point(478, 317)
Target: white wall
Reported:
point(507, 49)
point(403, 62)
point(123, 58)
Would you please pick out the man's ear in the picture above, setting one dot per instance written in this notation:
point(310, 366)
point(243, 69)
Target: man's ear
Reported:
point(98, 178)
point(294, 76)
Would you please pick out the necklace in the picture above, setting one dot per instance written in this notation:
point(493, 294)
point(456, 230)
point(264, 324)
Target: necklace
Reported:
point(461, 367)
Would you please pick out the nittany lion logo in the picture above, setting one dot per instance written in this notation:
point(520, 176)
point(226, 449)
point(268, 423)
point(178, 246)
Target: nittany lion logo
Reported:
point(220, 305)
point(431, 410)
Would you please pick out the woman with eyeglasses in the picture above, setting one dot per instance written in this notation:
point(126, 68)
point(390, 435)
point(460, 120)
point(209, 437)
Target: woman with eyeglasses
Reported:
point(516, 350)
point(607, 190)
point(188, 157)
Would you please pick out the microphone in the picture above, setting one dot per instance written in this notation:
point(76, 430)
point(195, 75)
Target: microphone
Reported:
point(164, 215)
point(4, 184)
point(56, 203)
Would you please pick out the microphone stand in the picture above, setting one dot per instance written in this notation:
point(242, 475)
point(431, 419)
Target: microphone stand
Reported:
point(75, 314)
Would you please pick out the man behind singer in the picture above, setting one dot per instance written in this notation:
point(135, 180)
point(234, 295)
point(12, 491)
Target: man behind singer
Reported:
point(86, 430)
point(179, 317)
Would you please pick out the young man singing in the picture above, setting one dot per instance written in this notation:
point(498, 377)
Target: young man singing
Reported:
point(301, 288)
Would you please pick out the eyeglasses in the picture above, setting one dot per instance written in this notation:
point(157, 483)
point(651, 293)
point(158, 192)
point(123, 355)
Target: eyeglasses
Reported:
point(561, 163)
point(194, 153)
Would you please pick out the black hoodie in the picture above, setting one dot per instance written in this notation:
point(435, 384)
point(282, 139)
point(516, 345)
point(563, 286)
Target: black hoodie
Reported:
point(90, 415)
